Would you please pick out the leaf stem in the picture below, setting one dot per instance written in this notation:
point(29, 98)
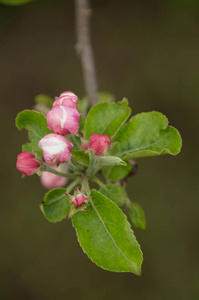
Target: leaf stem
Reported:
point(99, 182)
point(128, 202)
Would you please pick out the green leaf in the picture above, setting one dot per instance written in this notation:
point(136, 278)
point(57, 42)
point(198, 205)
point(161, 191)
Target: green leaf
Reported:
point(147, 134)
point(44, 99)
point(114, 192)
point(27, 147)
point(55, 205)
point(83, 106)
point(137, 216)
point(81, 124)
point(81, 157)
point(14, 2)
point(36, 125)
point(116, 173)
point(75, 140)
point(106, 236)
point(106, 118)
point(105, 97)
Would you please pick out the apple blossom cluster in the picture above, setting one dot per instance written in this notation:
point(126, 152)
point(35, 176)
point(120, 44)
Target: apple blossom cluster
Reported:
point(64, 146)
point(62, 119)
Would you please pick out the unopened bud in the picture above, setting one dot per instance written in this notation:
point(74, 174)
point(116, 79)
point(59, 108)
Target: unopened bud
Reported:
point(67, 99)
point(99, 143)
point(63, 120)
point(78, 199)
point(56, 148)
point(27, 163)
point(84, 146)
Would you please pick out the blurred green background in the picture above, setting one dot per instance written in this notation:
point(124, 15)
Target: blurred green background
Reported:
point(147, 51)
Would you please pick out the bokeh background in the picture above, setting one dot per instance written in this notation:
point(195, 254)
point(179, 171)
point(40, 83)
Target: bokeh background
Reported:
point(147, 51)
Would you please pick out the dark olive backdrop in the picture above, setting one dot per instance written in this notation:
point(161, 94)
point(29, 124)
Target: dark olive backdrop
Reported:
point(146, 51)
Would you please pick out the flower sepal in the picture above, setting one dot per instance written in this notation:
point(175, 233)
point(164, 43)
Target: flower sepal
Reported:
point(74, 209)
point(79, 202)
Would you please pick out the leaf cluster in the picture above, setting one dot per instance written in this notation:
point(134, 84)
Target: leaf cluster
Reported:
point(103, 230)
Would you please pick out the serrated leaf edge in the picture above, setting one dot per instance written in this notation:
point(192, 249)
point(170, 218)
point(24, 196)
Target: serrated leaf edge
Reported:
point(112, 103)
point(127, 156)
point(129, 225)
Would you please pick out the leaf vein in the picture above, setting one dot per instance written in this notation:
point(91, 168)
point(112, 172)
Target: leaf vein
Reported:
point(145, 147)
point(109, 232)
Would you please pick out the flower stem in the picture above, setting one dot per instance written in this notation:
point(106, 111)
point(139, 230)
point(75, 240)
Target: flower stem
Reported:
point(72, 185)
point(74, 167)
point(85, 186)
point(46, 168)
point(91, 169)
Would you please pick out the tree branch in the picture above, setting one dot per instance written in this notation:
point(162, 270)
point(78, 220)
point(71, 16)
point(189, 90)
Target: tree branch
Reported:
point(84, 49)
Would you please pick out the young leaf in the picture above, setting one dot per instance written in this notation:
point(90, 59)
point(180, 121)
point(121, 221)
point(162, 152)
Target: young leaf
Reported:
point(44, 99)
point(116, 173)
point(81, 157)
point(110, 161)
point(81, 124)
point(105, 97)
point(36, 125)
point(83, 106)
point(75, 140)
point(114, 192)
point(106, 118)
point(27, 147)
point(137, 216)
point(55, 205)
point(147, 134)
point(106, 236)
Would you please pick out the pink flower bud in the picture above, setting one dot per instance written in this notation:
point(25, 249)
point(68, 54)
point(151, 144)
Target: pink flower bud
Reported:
point(63, 120)
point(27, 163)
point(56, 148)
point(84, 146)
point(52, 181)
point(78, 200)
point(70, 94)
point(67, 99)
point(99, 143)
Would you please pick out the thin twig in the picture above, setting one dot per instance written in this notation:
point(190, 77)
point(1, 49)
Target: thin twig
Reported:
point(84, 49)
